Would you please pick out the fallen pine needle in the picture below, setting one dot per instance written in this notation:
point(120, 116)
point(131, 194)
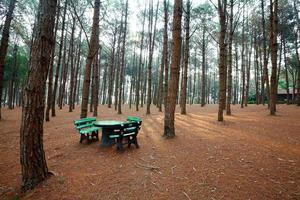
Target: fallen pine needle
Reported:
point(187, 196)
point(143, 160)
point(172, 169)
point(150, 167)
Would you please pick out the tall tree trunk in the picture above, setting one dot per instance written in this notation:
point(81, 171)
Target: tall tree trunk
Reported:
point(92, 85)
point(169, 129)
point(273, 39)
point(297, 51)
point(236, 84)
point(64, 74)
point(229, 74)
point(130, 91)
point(96, 84)
point(160, 85)
point(266, 76)
point(151, 49)
point(194, 88)
point(243, 63)
point(122, 70)
point(180, 94)
point(256, 69)
point(33, 160)
point(12, 81)
point(104, 84)
point(118, 64)
point(4, 44)
point(111, 68)
point(203, 85)
point(61, 44)
point(222, 58)
point(286, 71)
point(138, 92)
point(72, 57)
point(262, 89)
point(77, 72)
point(144, 82)
point(50, 76)
point(298, 89)
point(78, 86)
point(93, 47)
point(165, 51)
point(248, 74)
point(186, 57)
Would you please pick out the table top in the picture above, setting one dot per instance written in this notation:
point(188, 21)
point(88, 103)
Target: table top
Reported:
point(108, 123)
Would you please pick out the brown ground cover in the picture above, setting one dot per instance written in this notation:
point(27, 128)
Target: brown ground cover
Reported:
point(250, 156)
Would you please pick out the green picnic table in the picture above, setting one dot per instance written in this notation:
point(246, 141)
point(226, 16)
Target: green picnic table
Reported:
point(107, 127)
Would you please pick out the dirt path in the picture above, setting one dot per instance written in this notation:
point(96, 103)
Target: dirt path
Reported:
point(250, 156)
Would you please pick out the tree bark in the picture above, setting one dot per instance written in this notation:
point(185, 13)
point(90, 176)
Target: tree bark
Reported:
point(59, 60)
point(93, 47)
point(50, 76)
point(122, 70)
point(33, 160)
point(169, 129)
point(160, 85)
point(118, 64)
point(64, 75)
point(273, 39)
point(96, 84)
point(265, 70)
point(236, 84)
point(229, 74)
point(286, 71)
point(137, 93)
point(4, 44)
point(111, 68)
point(104, 84)
point(297, 51)
point(248, 74)
point(12, 81)
point(203, 85)
point(256, 69)
point(77, 72)
point(222, 58)
point(151, 49)
point(165, 51)
point(72, 57)
point(186, 57)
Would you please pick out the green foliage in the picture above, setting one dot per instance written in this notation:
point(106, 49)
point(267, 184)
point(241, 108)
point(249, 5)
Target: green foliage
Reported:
point(281, 84)
point(21, 68)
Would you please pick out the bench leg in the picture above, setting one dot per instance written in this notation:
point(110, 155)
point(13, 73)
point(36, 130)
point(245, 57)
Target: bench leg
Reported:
point(94, 134)
point(120, 145)
point(136, 142)
point(81, 138)
point(129, 142)
point(97, 135)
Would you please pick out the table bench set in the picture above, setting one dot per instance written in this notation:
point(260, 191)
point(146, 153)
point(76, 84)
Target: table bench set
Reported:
point(113, 132)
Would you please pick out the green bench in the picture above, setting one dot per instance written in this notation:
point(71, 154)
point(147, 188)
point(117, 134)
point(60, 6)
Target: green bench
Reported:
point(134, 119)
point(86, 129)
point(127, 134)
point(83, 121)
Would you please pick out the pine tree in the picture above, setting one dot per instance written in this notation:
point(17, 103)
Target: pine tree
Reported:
point(33, 160)
point(170, 105)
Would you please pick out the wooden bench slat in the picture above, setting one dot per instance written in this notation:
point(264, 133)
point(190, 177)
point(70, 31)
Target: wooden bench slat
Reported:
point(84, 120)
point(89, 130)
point(114, 136)
point(84, 126)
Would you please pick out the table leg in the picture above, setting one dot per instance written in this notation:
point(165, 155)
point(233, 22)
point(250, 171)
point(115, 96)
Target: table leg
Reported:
point(105, 140)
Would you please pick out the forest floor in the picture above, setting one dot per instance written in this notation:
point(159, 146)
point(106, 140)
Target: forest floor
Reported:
point(252, 155)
